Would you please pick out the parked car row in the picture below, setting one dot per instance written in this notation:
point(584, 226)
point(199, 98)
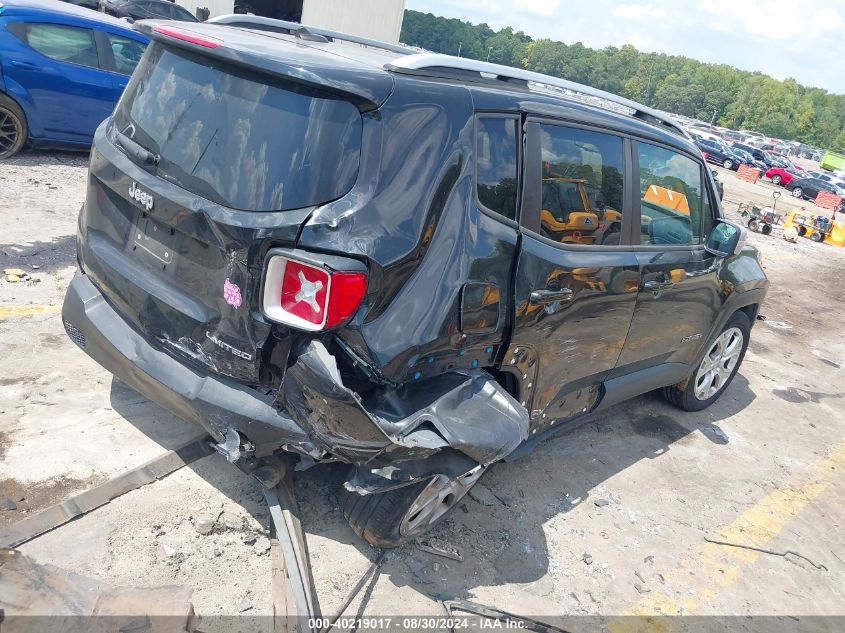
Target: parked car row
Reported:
point(62, 70)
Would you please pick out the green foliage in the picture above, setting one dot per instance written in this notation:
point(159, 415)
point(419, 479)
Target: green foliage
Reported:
point(741, 99)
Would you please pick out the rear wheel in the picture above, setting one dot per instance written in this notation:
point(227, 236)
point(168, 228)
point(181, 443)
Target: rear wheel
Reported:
point(797, 192)
point(754, 224)
point(776, 179)
point(767, 229)
point(12, 127)
point(817, 237)
point(389, 519)
point(716, 369)
point(728, 164)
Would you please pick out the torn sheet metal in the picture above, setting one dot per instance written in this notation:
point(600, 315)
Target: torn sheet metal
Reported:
point(45, 599)
point(467, 411)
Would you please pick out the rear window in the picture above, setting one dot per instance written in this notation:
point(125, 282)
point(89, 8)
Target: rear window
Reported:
point(245, 143)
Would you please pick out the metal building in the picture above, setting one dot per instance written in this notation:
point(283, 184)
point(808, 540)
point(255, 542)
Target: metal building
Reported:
point(376, 19)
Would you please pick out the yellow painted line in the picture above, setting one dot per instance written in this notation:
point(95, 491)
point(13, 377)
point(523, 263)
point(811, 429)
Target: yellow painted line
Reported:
point(716, 567)
point(7, 312)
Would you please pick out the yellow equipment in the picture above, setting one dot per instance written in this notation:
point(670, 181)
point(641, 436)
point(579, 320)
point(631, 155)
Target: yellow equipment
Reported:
point(568, 217)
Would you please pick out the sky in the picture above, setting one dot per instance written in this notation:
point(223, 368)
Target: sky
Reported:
point(802, 39)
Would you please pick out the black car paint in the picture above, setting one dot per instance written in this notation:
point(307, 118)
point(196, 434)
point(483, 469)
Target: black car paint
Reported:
point(406, 377)
point(147, 9)
point(812, 187)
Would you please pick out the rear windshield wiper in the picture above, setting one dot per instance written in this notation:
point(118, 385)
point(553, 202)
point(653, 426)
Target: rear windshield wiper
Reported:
point(136, 150)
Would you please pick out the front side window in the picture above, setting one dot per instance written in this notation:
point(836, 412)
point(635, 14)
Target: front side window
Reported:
point(582, 184)
point(127, 53)
point(670, 190)
point(62, 43)
point(496, 156)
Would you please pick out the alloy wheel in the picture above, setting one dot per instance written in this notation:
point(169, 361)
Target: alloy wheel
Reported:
point(718, 364)
point(10, 132)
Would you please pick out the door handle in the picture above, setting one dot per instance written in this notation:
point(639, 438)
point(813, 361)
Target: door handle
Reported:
point(550, 296)
point(657, 285)
point(27, 65)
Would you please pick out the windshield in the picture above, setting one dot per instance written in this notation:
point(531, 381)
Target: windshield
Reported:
point(238, 139)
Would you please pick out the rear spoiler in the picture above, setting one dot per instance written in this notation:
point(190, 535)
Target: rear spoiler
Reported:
point(269, 53)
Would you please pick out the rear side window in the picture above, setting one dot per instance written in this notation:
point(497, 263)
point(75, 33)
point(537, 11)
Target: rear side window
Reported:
point(127, 53)
point(670, 187)
point(496, 156)
point(582, 184)
point(237, 138)
point(69, 44)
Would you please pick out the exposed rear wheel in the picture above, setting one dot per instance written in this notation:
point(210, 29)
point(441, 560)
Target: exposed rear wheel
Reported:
point(716, 369)
point(12, 127)
point(389, 519)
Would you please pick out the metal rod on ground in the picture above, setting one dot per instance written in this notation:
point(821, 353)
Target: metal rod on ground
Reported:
point(61, 513)
point(294, 597)
point(356, 589)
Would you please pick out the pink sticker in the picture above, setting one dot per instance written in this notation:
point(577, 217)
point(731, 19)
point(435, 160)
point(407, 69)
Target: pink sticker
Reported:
point(232, 294)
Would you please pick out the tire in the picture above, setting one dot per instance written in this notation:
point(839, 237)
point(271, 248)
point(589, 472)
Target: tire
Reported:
point(797, 192)
point(13, 129)
point(707, 382)
point(776, 179)
point(817, 237)
point(767, 229)
point(728, 164)
point(390, 519)
point(754, 224)
point(802, 231)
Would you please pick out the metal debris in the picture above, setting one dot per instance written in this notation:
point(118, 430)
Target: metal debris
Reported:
point(439, 547)
point(587, 558)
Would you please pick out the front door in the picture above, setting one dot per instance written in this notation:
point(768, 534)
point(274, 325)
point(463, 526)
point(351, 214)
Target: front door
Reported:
point(680, 293)
point(576, 280)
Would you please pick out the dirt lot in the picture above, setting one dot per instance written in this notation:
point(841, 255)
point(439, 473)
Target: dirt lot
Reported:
point(610, 518)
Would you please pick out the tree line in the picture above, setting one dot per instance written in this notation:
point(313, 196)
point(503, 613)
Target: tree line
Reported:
point(740, 99)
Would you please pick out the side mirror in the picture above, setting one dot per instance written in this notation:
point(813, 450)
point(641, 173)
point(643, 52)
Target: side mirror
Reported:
point(726, 239)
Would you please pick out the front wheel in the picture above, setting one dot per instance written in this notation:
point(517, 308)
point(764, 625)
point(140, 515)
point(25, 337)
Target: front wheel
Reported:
point(817, 237)
point(728, 164)
point(716, 369)
point(392, 518)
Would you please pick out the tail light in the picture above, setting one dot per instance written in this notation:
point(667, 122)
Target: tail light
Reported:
point(310, 297)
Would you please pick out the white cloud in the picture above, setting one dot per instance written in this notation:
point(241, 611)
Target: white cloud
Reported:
point(537, 7)
point(638, 12)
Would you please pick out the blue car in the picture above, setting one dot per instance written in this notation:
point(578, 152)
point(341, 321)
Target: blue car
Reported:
point(62, 70)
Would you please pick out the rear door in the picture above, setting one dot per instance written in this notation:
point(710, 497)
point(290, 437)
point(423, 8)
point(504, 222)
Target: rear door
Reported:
point(577, 277)
point(679, 294)
point(70, 91)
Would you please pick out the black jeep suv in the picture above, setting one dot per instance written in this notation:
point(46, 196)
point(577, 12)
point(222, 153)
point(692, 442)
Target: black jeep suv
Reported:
point(415, 264)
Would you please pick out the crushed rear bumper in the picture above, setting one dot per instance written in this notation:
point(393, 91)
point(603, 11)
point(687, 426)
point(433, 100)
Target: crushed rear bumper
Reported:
point(214, 403)
point(448, 425)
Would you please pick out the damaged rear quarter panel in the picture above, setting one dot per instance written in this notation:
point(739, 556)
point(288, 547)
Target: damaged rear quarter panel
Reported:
point(468, 412)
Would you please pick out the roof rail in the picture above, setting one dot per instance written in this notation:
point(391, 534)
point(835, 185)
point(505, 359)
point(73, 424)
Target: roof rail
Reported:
point(294, 28)
point(430, 62)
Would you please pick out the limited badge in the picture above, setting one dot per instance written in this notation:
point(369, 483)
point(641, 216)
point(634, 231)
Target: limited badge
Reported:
point(232, 294)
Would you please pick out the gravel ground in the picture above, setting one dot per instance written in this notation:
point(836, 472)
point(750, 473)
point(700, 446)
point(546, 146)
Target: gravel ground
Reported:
point(607, 519)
